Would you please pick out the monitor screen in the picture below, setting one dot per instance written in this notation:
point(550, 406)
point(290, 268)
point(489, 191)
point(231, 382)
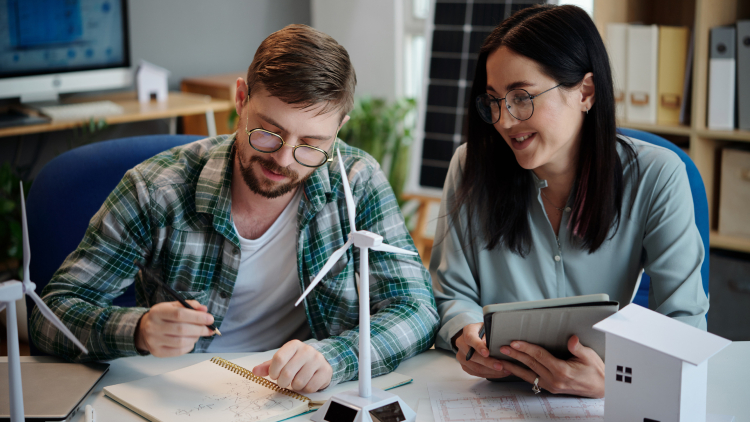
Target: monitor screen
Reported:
point(40, 37)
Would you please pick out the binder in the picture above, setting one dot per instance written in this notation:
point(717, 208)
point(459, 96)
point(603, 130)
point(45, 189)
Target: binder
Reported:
point(687, 89)
point(642, 73)
point(673, 51)
point(721, 74)
point(743, 74)
point(617, 47)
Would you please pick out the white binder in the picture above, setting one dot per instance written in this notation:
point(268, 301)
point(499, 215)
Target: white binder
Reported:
point(643, 59)
point(617, 47)
point(721, 74)
point(743, 73)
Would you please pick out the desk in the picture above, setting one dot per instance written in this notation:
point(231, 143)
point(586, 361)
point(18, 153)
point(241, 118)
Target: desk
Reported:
point(728, 373)
point(177, 104)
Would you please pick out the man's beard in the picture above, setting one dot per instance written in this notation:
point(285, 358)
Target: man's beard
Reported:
point(267, 188)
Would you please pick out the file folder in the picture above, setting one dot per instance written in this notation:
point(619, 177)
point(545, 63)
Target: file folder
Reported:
point(617, 47)
point(743, 74)
point(673, 51)
point(642, 73)
point(721, 74)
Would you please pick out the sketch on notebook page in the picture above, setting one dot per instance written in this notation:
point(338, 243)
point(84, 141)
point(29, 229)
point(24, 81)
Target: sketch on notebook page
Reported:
point(241, 401)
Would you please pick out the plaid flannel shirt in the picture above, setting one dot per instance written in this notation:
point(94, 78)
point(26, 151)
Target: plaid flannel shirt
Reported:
point(173, 212)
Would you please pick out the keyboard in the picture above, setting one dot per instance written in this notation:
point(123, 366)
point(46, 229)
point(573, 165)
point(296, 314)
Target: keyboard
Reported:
point(81, 111)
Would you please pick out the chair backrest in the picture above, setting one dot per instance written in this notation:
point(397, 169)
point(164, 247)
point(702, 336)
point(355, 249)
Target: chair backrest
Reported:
point(700, 206)
point(70, 189)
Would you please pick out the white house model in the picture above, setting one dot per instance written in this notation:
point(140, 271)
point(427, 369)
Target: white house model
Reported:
point(656, 367)
point(151, 81)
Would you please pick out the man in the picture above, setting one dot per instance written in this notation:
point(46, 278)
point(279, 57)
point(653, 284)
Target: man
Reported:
point(240, 224)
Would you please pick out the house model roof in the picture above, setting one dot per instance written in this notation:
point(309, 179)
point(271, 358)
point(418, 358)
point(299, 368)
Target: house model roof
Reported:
point(663, 334)
point(144, 65)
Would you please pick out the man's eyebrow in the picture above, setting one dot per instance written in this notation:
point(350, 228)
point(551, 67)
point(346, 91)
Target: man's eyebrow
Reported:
point(514, 85)
point(273, 122)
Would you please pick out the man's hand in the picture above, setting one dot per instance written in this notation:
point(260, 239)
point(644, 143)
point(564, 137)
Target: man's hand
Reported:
point(297, 366)
point(581, 375)
point(169, 329)
point(481, 364)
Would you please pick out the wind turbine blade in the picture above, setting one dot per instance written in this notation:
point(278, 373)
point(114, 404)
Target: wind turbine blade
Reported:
point(332, 260)
point(347, 192)
point(55, 320)
point(26, 248)
point(388, 248)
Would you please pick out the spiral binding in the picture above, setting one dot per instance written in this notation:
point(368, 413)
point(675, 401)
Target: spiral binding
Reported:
point(260, 380)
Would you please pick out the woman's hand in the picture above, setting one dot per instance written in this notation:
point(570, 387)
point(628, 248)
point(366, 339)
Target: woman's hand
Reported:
point(481, 364)
point(581, 375)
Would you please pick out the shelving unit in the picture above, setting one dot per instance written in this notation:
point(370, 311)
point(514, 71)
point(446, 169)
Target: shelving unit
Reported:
point(705, 144)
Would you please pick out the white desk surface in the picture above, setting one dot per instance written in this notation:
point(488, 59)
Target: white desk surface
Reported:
point(728, 375)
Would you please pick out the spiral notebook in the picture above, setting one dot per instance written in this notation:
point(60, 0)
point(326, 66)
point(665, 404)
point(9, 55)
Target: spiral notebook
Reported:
point(217, 390)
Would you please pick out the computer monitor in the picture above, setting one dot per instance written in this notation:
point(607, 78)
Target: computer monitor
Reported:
point(51, 47)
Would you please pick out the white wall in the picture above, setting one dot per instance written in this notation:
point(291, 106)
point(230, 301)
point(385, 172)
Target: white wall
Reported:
point(196, 37)
point(371, 32)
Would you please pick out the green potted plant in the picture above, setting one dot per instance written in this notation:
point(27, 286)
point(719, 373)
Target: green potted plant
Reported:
point(11, 238)
point(385, 131)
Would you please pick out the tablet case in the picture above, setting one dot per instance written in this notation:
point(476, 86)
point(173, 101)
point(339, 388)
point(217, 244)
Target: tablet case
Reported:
point(548, 323)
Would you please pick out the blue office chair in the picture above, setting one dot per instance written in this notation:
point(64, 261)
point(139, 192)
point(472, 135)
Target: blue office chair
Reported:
point(69, 190)
point(700, 206)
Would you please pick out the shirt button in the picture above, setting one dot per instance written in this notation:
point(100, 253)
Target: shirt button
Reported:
point(557, 258)
point(236, 250)
point(567, 209)
point(223, 295)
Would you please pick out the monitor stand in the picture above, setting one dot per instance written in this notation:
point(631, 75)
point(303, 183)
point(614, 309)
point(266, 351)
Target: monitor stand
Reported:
point(15, 116)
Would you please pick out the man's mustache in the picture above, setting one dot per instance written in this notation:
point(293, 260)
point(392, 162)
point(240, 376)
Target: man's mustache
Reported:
point(274, 167)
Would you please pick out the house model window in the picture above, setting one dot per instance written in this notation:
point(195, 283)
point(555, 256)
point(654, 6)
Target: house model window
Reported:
point(625, 373)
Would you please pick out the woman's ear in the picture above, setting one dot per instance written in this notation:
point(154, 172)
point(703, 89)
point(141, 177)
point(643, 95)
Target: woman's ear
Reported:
point(587, 92)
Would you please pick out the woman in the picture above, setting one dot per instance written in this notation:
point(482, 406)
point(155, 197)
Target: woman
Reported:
point(545, 200)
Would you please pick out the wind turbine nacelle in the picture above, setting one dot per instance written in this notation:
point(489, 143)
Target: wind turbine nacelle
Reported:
point(365, 239)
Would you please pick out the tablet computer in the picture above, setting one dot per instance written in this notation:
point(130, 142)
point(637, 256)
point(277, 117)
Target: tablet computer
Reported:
point(548, 323)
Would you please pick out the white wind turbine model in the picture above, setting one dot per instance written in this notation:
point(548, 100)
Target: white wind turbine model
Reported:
point(10, 292)
point(367, 405)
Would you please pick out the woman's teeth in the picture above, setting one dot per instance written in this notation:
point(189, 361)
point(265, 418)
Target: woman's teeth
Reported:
point(523, 138)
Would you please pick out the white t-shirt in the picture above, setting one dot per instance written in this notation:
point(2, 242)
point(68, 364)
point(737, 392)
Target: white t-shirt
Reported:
point(261, 314)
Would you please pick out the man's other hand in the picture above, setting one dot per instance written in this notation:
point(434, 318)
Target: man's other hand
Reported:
point(297, 366)
point(169, 329)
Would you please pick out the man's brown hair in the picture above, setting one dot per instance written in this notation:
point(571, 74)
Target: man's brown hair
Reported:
point(301, 65)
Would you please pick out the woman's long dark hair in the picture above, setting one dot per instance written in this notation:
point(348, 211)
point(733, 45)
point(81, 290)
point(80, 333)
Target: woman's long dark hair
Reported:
point(495, 188)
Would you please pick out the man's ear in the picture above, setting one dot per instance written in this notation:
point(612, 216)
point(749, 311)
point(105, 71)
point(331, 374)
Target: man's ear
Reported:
point(587, 90)
point(240, 96)
point(344, 120)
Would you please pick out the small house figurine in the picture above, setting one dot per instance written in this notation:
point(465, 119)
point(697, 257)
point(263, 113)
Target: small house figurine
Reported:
point(656, 367)
point(151, 82)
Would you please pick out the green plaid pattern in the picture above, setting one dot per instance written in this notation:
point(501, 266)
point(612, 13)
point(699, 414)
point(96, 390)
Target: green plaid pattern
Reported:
point(173, 213)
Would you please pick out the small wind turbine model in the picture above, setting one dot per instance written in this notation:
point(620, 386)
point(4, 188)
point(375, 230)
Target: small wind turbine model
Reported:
point(10, 292)
point(367, 405)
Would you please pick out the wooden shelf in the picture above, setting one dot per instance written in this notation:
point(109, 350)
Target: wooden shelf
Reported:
point(734, 243)
point(725, 135)
point(658, 129)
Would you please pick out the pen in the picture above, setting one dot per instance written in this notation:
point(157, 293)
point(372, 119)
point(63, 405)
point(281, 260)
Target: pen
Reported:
point(171, 291)
point(88, 414)
point(471, 349)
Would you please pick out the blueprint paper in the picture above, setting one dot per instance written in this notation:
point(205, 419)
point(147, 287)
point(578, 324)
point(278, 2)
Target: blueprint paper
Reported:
point(478, 401)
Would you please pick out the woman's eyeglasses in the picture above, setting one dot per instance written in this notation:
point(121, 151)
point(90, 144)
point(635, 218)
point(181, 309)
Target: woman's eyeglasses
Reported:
point(518, 102)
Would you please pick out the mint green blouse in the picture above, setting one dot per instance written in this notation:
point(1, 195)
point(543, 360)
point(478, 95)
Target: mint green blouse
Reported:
point(659, 235)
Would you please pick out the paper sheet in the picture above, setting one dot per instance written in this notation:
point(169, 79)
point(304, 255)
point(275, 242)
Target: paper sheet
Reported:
point(479, 401)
